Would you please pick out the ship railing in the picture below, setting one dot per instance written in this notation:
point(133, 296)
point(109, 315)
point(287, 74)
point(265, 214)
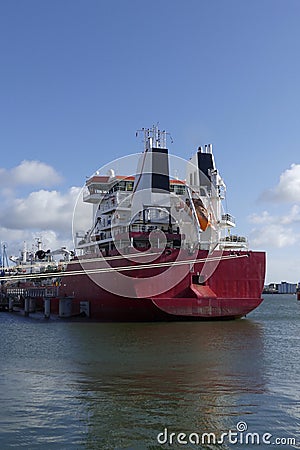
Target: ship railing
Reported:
point(143, 228)
point(47, 291)
point(112, 223)
point(228, 219)
point(112, 207)
point(116, 201)
point(236, 242)
point(234, 238)
point(93, 195)
point(101, 236)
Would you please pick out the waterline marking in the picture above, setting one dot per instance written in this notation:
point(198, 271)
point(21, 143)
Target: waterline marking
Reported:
point(239, 436)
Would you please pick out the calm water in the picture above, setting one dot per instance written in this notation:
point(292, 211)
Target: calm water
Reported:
point(117, 386)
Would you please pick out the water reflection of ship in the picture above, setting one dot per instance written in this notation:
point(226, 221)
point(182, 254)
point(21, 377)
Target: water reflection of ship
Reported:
point(140, 379)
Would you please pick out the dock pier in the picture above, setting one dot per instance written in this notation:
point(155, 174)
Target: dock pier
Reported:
point(29, 300)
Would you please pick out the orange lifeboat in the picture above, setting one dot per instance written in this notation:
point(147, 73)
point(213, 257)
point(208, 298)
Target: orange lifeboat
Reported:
point(202, 213)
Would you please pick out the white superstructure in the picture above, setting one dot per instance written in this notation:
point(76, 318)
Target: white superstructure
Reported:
point(182, 213)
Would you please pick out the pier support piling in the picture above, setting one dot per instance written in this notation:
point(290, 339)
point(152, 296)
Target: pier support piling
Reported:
point(10, 303)
point(47, 307)
point(26, 306)
point(32, 305)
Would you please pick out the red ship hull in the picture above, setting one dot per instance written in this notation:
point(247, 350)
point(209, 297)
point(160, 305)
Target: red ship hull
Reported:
point(232, 290)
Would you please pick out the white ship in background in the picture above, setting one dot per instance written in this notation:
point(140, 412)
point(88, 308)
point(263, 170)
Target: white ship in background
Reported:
point(38, 260)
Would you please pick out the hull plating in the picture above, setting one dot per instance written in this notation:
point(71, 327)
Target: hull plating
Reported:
point(231, 290)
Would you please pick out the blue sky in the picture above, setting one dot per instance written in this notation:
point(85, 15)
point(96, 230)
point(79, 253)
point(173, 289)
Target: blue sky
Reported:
point(78, 78)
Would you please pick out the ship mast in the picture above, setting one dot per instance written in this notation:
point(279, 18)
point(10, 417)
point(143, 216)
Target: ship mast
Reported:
point(154, 137)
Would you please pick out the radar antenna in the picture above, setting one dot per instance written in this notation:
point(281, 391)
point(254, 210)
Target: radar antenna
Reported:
point(154, 137)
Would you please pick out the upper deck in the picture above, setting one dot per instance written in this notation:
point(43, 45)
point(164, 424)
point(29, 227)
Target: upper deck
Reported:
point(153, 200)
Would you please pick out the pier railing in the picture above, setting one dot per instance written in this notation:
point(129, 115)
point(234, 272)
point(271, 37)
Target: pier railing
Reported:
point(34, 291)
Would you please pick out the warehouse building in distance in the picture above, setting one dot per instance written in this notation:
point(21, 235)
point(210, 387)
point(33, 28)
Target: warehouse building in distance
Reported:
point(283, 288)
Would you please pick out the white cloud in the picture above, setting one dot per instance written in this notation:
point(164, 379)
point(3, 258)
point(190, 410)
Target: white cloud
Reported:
point(288, 188)
point(276, 229)
point(280, 230)
point(31, 173)
point(279, 236)
point(264, 217)
point(41, 210)
point(282, 267)
point(293, 216)
point(43, 213)
point(273, 235)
